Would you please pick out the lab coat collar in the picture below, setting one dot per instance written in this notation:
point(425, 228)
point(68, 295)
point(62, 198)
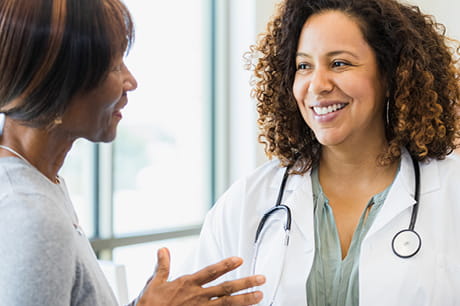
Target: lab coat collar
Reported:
point(292, 183)
point(401, 194)
point(302, 208)
point(298, 196)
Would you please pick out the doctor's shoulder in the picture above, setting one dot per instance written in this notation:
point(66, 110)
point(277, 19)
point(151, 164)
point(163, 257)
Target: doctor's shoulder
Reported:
point(255, 186)
point(440, 186)
point(247, 198)
point(449, 169)
point(232, 220)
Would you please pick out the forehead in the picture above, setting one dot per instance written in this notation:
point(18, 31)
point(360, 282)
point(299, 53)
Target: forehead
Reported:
point(331, 31)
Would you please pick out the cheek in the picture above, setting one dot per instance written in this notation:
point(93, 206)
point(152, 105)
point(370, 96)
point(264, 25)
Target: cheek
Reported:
point(299, 89)
point(369, 87)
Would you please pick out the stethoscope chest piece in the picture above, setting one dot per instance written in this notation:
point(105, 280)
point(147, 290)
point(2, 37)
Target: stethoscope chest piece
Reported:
point(406, 243)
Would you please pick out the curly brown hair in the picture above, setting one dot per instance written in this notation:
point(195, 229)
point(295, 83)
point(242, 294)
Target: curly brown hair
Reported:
point(418, 65)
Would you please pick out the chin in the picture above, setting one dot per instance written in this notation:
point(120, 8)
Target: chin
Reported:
point(107, 137)
point(328, 140)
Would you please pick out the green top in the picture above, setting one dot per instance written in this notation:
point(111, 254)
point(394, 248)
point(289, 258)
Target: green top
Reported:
point(333, 281)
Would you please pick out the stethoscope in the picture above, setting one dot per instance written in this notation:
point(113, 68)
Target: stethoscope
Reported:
point(405, 244)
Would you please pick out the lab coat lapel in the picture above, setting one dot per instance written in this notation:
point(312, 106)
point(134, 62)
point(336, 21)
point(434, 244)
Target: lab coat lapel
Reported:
point(301, 203)
point(401, 194)
point(300, 252)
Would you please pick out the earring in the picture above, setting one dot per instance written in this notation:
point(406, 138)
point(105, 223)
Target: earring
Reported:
point(388, 112)
point(53, 124)
point(57, 121)
point(2, 122)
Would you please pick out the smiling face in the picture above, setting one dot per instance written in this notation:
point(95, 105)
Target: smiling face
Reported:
point(338, 87)
point(95, 115)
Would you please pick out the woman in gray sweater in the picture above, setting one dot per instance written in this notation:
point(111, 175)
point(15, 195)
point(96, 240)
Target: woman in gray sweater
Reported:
point(63, 78)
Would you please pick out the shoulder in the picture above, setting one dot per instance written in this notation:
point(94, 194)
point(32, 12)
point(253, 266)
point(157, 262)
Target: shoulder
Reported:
point(250, 194)
point(450, 165)
point(18, 177)
point(34, 221)
point(37, 240)
point(31, 210)
point(266, 176)
point(448, 169)
point(449, 172)
point(439, 179)
point(37, 250)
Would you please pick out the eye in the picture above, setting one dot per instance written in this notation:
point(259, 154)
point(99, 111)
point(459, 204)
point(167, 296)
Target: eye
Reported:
point(116, 68)
point(303, 66)
point(340, 64)
point(117, 65)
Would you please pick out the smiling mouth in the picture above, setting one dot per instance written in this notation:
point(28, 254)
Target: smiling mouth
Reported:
point(328, 109)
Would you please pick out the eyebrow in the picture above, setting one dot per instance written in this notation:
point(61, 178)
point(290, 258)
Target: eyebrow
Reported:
point(329, 54)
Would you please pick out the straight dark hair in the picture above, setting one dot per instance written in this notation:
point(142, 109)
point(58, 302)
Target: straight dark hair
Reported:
point(50, 50)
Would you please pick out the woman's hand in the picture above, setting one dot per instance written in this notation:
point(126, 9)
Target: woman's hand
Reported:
point(188, 290)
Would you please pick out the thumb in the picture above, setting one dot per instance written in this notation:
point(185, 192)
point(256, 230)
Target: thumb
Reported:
point(163, 266)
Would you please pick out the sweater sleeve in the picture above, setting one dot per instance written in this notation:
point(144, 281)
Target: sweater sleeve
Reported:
point(37, 257)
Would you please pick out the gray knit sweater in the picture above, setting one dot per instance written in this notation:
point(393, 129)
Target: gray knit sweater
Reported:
point(44, 259)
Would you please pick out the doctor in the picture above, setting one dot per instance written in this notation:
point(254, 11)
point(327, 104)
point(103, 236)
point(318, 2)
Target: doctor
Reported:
point(357, 99)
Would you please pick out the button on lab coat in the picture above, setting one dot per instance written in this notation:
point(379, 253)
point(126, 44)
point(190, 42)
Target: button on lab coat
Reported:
point(431, 277)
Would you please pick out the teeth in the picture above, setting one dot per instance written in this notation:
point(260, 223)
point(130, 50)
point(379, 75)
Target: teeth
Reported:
point(328, 109)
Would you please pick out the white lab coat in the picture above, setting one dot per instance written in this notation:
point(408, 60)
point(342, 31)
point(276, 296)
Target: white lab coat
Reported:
point(431, 277)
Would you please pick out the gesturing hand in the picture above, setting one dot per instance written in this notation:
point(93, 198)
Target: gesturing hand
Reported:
point(188, 290)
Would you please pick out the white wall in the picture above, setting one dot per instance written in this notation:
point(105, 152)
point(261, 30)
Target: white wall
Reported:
point(445, 12)
point(265, 9)
point(247, 18)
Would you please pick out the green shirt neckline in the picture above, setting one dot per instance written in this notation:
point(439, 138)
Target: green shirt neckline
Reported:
point(333, 281)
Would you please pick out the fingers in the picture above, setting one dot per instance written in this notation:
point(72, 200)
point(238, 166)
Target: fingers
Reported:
point(212, 272)
point(163, 266)
point(238, 300)
point(230, 287)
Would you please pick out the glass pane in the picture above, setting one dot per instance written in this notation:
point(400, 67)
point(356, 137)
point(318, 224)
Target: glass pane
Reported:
point(162, 165)
point(78, 173)
point(140, 260)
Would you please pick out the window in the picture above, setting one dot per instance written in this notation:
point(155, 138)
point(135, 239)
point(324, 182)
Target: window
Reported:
point(161, 155)
point(79, 175)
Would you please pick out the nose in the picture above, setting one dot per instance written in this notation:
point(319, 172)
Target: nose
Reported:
point(320, 82)
point(130, 82)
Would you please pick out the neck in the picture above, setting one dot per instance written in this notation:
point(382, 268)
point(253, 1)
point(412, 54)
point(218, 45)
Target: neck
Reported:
point(354, 162)
point(43, 149)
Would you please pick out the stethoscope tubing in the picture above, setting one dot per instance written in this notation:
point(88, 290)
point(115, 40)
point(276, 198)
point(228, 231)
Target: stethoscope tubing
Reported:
point(413, 218)
point(287, 224)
